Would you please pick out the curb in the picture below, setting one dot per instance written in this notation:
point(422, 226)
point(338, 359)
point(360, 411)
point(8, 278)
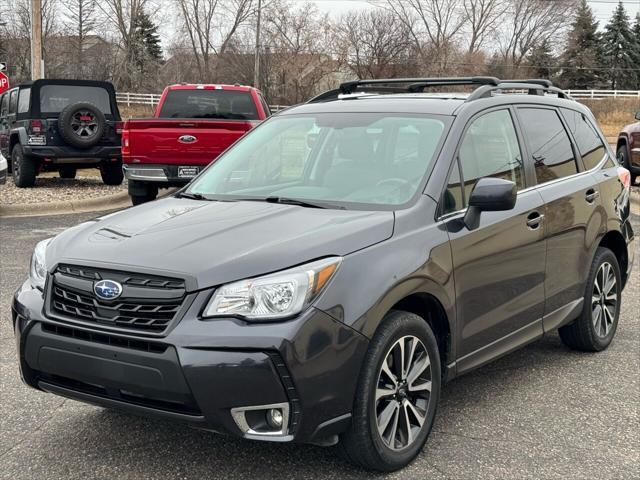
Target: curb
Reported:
point(109, 202)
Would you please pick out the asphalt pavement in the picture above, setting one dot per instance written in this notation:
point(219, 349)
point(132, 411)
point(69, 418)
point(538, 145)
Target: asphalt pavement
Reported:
point(543, 412)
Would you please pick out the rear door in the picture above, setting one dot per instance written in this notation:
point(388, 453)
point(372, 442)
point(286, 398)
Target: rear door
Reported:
point(571, 198)
point(498, 267)
point(4, 124)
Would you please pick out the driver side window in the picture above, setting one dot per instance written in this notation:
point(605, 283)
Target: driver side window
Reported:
point(489, 148)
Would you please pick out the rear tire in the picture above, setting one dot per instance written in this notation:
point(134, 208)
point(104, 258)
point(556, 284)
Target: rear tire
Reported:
point(596, 326)
point(111, 173)
point(24, 168)
point(141, 192)
point(68, 172)
point(388, 430)
point(623, 158)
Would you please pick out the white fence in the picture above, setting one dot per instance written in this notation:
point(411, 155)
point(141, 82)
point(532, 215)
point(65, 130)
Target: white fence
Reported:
point(127, 98)
point(598, 94)
point(152, 99)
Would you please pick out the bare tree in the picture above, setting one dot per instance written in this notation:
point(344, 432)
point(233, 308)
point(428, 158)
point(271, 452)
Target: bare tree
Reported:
point(210, 26)
point(374, 44)
point(482, 18)
point(437, 21)
point(528, 24)
point(81, 22)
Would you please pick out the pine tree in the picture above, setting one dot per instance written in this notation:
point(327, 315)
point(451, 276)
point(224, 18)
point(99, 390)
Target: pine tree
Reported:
point(636, 37)
point(583, 54)
point(620, 54)
point(147, 40)
point(541, 60)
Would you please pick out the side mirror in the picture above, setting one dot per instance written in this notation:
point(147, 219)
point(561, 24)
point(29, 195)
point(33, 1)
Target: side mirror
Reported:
point(637, 115)
point(489, 195)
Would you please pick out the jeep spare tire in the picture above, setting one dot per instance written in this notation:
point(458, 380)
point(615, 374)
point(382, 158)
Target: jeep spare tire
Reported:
point(81, 124)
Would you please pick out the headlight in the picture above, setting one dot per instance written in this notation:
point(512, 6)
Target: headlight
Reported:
point(273, 296)
point(38, 268)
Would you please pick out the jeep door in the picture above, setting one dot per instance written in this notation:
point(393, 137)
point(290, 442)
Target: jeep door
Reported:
point(499, 266)
point(4, 125)
point(571, 198)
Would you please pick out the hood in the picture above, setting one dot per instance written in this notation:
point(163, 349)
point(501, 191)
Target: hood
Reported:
point(211, 243)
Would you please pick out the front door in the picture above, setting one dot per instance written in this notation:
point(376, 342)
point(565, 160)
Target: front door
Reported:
point(498, 267)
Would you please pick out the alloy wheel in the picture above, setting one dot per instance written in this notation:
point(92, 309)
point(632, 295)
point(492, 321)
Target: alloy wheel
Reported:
point(84, 124)
point(16, 164)
point(604, 300)
point(403, 392)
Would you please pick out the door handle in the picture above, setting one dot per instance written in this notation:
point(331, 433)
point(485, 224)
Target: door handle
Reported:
point(534, 219)
point(591, 195)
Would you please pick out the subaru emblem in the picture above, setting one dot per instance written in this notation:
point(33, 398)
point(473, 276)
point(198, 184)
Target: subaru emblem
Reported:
point(107, 289)
point(187, 139)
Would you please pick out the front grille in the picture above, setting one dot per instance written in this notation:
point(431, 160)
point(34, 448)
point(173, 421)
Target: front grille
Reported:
point(148, 303)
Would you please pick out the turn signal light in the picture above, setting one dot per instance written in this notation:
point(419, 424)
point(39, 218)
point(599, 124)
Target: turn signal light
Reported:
point(625, 177)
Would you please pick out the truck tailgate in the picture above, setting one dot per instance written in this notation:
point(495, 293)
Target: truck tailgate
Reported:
point(181, 142)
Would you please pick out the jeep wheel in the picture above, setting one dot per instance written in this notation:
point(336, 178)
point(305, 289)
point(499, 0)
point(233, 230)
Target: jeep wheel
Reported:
point(111, 173)
point(81, 124)
point(24, 168)
point(68, 172)
point(397, 395)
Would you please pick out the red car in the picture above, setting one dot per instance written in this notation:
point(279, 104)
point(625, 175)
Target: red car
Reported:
point(192, 126)
point(629, 148)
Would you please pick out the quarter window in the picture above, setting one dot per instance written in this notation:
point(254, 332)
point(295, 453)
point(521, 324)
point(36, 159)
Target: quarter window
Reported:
point(4, 105)
point(23, 100)
point(589, 143)
point(549, 143)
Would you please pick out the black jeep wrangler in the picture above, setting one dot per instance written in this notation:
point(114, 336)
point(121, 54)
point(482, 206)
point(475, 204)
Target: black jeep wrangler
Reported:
point(61, 125)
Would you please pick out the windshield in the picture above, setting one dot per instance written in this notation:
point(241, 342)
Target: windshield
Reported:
point(345, 158)
point(54, 98)
point(207, 103)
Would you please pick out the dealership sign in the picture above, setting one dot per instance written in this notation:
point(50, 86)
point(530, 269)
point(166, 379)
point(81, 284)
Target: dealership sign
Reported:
point(4, 82)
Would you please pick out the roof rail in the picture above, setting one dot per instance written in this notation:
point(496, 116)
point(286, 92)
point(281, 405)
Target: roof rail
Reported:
point(486, 86)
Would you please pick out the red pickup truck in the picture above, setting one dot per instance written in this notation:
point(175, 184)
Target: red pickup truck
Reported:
point(192, 126)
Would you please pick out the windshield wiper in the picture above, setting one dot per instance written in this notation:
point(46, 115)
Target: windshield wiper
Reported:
point(291, 201)
point(192, 196)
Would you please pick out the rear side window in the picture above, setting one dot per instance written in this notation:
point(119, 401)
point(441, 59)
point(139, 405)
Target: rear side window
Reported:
point(549, 143)
point(54, 98)
point(4, 105)
point(590, 146)
point(215, 104)
point(13, 101)
point(23, 100)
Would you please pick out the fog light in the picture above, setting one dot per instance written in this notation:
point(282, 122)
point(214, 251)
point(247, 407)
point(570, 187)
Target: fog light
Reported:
point(274, 418)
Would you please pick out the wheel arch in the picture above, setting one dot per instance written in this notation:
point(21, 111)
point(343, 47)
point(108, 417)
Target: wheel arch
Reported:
point(430, 309)
point(614, 241)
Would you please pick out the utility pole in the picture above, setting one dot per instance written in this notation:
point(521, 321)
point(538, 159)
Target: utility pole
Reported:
point(256, 70)
point(37, 66)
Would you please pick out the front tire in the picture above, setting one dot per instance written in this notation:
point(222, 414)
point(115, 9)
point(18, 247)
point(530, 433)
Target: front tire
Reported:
point(24, 168)
point(111, 173)
point(623, 158)
point(397, 395)
point(596, 326)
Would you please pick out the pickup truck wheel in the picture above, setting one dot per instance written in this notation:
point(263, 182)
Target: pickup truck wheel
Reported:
point(141, 192)
point(397, 395)
point(111, 173)
point(623, 158)
point(24, 168)
point(68, 172)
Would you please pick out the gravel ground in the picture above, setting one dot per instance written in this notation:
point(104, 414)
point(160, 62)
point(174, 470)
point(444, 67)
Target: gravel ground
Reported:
point(51, 188)
point(543, 412)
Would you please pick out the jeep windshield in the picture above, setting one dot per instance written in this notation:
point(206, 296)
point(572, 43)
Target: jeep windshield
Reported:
point(343, 160)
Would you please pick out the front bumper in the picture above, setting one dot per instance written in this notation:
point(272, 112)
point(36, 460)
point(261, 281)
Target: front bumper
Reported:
point(200, 370)
point(105, 152)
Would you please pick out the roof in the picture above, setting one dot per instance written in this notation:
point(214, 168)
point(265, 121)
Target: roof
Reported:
point(210, 86)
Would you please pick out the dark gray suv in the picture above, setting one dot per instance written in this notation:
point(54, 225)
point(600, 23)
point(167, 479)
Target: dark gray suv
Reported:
point(323, 278)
